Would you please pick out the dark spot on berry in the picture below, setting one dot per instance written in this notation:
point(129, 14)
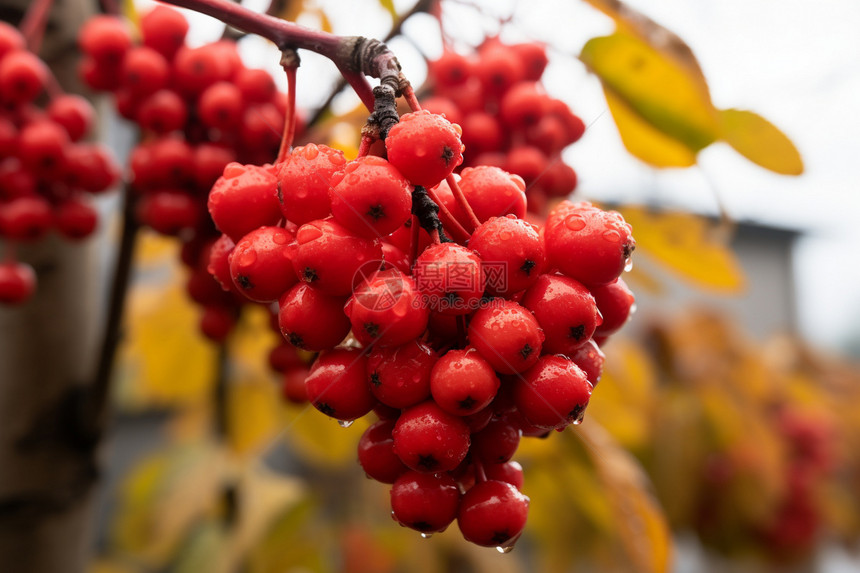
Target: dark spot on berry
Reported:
point(295, 340)
point(374, 379)
point(527, 266)
point(245, 282)
point(372, 329)
point(421, 526)
point(325, 409)
point(577, 332)
point(376, 212)
point(280, 194)
point(447, 155)
point(309, 275)
point(466, 403)
point(526, 351)
point(500, 536)
point(577, 414)
point(408, 223)
point(427, 463)
point(627, 249)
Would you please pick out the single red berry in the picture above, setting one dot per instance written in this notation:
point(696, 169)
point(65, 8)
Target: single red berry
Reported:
point(370, 197)
point(498, 71)
point(26, 218)
point(195, 69)
point(144, 71)
point(510, 472)
point(463, 382)
point(262, 127)
point(256, 86)
point(386, 310)
point(493, 514)
point(210, 160)
point(482, 133)
point(163, 29)
point(283, 357)
point(304, 179)
point(17, 282)
point(425, 502)
point(492, 192)
point(507, 336)
point(399, 376)
point(89, 167)
point(329, 257)
point(376, 453)
point(73, 112)
point(169, 212)
point(451, 69)
point(203, 289)
point(565, 310)
point(424, 147)
point(443, 106)
point(217, 322)
point(553, 393)
point(337, 386)
point(260, 265)
point(428, 439)
point(105, 39)
point(162, 112)
point(616, 303)
point(75, 219)
point(574, 126)
point(590, 359)
point(511, 252)
point(312, 320)
point(171, 161)
point(220, 106)
point(293, 387)
point(218, 263)
point(558, 180)
point(451, 278)
point(243, 199)
point(15, 181)
point(127, 103)
point(549, 135)
point(528, 162)
point(534, 59)
point(497, 442)
point(10, 39)
point(99, 77)
point(41, 147)
point(587, 243)
point(523, 106)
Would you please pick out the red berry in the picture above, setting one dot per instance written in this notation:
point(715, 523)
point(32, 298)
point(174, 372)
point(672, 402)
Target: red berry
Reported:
point(195, 69)
point(492, 192)
point(512, 254)
point(169, 212)
point(337, 385)
point(304, 179)
point(105, 39)
point(386, 310)
point(400, 376)
point(10, 39)
point(163, 29)
point(590, 359)
point(451, 278)
point(312, 320)
point(162, 112)
point(425, 502)
point(523, 106)
point(218, 264)
point(496, 443)
point(144, 71)
point(15, 181)
point(261, 127)
point(565, 310)
point(260, 266)
point(242, 199)
point(256, 86)
point(510, 472)
point(493, 514)
point(376, 453)
point(507, 336)
point(26, 218)
point(220, 106)
point(73, 113)
point(293, 387)
point(498, 71)
point(89, 167)
point(370, 197)
point(463, 382)
point(428, 439)
point(17, 282)
point(283, 357)
point(528, 162)
point(424, 147)
point(210, 160)
point(615, 302)
point(99, 77)
point(443, 106)
point(534, 59)
point(553, 393)
point(482, 133)
point(75, 218)
point(451, 69)
point(558, 180)
point(41, 146)
point(217, 322)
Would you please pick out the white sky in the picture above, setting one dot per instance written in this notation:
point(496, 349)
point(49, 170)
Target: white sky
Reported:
point(795, 62)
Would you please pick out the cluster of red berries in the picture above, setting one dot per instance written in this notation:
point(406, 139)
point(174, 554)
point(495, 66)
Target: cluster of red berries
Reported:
point(46, 171)
point(507, 117)
point(459, 346)
point(199, 109)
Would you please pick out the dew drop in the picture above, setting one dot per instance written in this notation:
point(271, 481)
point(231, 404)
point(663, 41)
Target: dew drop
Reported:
point(345, 423)
point(301, 193)
point(280, 238)
point(308, 233)
point(426, 535)
point(612, 236)
point(575, 222)
point(311, 151)
point(352, 179)
point(628, 264)
point(248, 258)
point(505, 235)
point(507, 549)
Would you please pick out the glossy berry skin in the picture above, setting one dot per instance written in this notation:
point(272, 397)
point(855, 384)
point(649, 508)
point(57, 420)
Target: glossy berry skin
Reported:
point(424, 147)
point(462, 382)
point(17, 282)
point(493, 514)
point(370, 197)
point(493, 192)
point(218, 263)
point(590, 359)
point(451, 278)
point(553, 393)
point(615, 302)
point(512, 252)
point(304, 179)
point(26, 218)
point(312, 320)
point(507, 336)
point(400, 376)
point(337, 386)
point(385, 310)
point(497, 442)
point(510, 472)
point(587, 243)
point(565, 310)
point(425, 502)
point(330, 258)
point(243, 199)
point(430, 440)
point(376, 453)
point(260, 265)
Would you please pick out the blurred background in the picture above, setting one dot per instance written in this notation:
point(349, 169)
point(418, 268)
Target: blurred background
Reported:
point(723, 433)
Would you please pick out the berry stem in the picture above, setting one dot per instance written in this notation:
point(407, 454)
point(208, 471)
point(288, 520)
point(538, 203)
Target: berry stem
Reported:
point(480, 474)
point(33, 24)
point(435, 238)
point(364, 146)
point(457, 231)
point(409, 96)
point(290, 62)
point(413, 240)
point(464, 203)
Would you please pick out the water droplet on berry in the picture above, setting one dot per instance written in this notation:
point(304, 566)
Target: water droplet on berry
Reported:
point(612, 236)
point(280, 238)
point(308, 233)
point(345, 423)
point(507, 549)
point(311, 151)
point(628, 264)
point(352, 179)
point(247, 258)
point(575, 222)
point(505, 235)
point(426, 535)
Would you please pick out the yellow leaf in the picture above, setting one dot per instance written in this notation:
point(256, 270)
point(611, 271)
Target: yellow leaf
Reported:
point(760, 141)
point(688, 246)
point(388, 5)
point(640, 523)
point(291, 9)
point(203, 550)
point(254, 415)
point(665, 94)
point(645, 141)
point(325, 22)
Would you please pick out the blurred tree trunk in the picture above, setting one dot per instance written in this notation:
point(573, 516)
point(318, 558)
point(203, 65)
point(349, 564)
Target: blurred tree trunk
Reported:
point(48, 463)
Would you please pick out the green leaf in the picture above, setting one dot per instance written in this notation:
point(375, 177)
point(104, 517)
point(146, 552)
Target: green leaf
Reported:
point(760, 141)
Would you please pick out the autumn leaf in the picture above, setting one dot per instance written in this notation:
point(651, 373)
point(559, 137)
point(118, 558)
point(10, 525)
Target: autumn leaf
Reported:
point(760, 141)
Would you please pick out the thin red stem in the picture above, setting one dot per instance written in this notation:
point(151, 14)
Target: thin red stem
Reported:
point(290, 120)
point(449, 221)
point(464, 203)
point(364, 146)
point(435, 238)
point(409, 95)
point(413, 240)
point(480, 474)
point(33, 24)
